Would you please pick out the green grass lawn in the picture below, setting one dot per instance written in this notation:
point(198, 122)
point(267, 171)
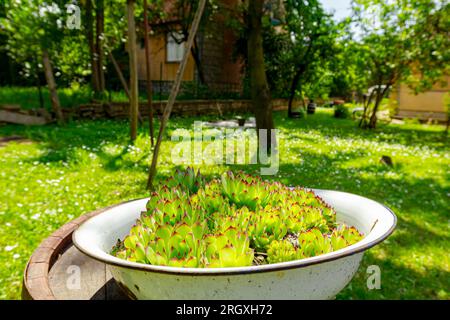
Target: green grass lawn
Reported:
point(28, 97)
point(64, 172)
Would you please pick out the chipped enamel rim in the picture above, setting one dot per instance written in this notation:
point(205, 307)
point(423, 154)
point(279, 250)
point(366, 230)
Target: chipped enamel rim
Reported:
point(96, 236)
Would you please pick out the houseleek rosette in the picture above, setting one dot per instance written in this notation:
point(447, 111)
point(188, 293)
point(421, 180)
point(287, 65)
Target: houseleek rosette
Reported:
point(236, 221)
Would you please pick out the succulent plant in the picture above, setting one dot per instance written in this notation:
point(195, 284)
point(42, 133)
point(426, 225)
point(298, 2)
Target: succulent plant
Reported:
point(281, 251)
point(188, 180)
point(243, 190)
point(228, 249)
point(238, 220)
point(311, 243)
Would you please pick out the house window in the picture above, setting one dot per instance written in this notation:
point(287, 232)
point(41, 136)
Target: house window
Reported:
point(175, 49)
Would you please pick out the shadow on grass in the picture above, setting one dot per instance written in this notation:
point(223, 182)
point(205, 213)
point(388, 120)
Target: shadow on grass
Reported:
point(397, 281)
point(411, 135)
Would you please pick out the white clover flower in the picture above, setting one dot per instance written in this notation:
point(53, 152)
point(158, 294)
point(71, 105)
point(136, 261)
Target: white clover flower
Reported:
point(11, 248)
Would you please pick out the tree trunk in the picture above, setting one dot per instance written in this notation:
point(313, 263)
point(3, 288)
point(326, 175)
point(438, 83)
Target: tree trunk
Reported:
point(373, 118)
point(294, 85)
point(175, 90)
point(41, 97)
point(119, 74)
point(301, 68)
point(134, 94)
point(380, 96)
point(260, 92)
point(38, 84)
point(198, 63)
point(12, 71)
point(148, 69)
point(92, 47)
point(100, 17)
point(56, 106)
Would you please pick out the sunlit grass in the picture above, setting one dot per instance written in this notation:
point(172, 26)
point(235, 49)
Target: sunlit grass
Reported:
point(65, 172)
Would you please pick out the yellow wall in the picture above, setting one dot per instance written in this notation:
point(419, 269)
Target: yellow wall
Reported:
point(158, 56)
point(430, 101)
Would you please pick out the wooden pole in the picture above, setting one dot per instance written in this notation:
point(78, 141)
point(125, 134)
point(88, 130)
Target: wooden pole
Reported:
point(52, 86)
point(134, 93)
point(149, 74)
point(175, 90)
point(100, 16)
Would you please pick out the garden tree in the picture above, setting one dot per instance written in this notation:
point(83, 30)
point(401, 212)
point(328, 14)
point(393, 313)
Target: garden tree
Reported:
point(252, 22)
point(41, 35)
point(105, 31)
point(348, 66)
point(276, 46)
point(312, 33)
point(259, 87)
point(115, 23)
point(114, 38)
point(132, 51)
point(95, 37)
point(403, 41)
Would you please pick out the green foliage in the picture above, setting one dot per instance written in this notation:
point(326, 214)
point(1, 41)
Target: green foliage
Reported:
point(28, 98)
point(221, 224)
point(301, 113)
point(348, 66)
point(31, 27)
point(70, 97)
point(402, 41)
point(298, 57)
point(341, 111)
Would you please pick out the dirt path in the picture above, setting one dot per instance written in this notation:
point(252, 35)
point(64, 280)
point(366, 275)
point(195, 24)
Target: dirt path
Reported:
point(5, 140)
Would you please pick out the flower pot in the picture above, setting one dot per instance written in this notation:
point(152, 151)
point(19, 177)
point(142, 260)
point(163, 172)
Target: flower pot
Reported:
point(241, 122)
point(311, 108)
point(320, 277)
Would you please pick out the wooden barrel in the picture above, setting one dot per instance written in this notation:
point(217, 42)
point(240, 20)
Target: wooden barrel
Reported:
point(58, 271)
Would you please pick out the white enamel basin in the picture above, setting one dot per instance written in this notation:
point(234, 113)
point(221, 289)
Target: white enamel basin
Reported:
point(320, 277)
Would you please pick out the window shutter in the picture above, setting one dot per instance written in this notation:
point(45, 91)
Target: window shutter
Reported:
point(175, 50)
